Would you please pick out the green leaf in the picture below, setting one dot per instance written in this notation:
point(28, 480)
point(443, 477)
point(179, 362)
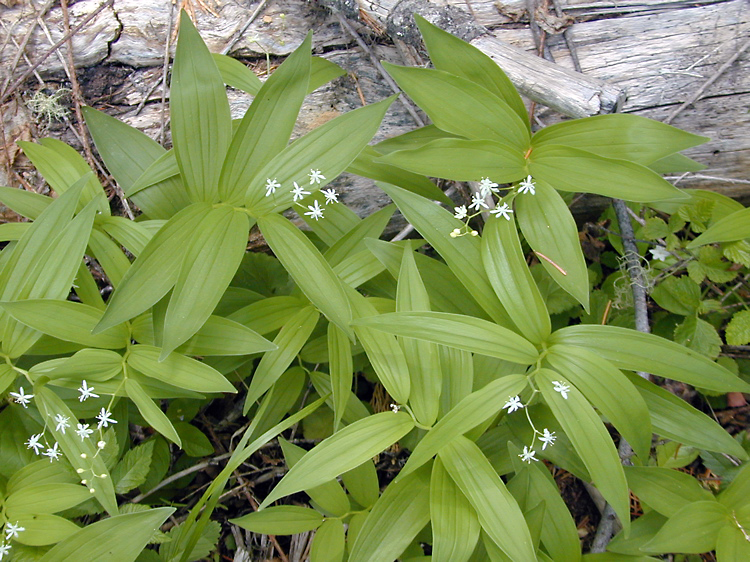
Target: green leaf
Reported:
point(268, 315)
point(451, 54)
point(677, 294)
point(628, 349)
point(237, 75)
point(222, 336)
point(177, 370)
point(67, 320)
point(132, 470)
point(354, 240)
point(665, 490)
point(341, 368)
point(550, 230)
point(280, 520)
point(395, 519)
point(156, 270)
point(308, 268)
point(45, 498)
point(732, 544)
point(499, 514)
point(117, 539)
point(462, 255)
point(358, 269)
point(26, 203)
point(267, 125)
point(194, 441)
point(329, 148)
point(346, 449)
point(289, 342)
point(461, 160)
point(200, 120)
point(511, 279)
point(698, 335)
point(458, 376)
point(730, 228)
point(362, 483)
point(161, 170)
point(591, 441)
point(608, 390)
point(470, 412)
point(42, 529)
point(735, 495)
point(96, 365)
point(281, 399)
point(571, 169)
point(619, 135)
point(109, 255)
point(210, 264)
point(460, 106)
point(456, 330)
point(693, 529)
point(710, 264)
point(151, 412)
point(329, 543)
point(675, 419)
point(455, 525)
point(642, 531)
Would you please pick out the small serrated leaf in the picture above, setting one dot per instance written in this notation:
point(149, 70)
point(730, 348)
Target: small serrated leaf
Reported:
point(738, 329)
point(133, 469)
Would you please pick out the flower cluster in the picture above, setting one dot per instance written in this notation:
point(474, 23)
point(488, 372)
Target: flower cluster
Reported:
point(11, 531)
point(479, 203)
point(315, 211)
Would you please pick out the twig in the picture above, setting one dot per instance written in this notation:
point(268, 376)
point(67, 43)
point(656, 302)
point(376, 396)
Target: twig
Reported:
point(702, 177)
point(54, 48)
point(165, 71)
point(568, 39)
point(237, 36)
point(699, 92)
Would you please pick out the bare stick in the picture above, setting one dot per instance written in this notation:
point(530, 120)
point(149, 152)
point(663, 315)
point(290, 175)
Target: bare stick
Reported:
point(165, 71)
point(237, 36)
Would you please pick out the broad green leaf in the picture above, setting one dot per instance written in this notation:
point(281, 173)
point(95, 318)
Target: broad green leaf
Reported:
point(268, 315)
point(26, 203)
point(133, 235)
point(470, 412)
point(281, 399)
point(358, 269)
point(162, 169)
point(498, 512)
point(421, 357)
point(698, 335)
point(150, 411)
point(109, 255)
point(222, 336)
point(177, 370)
point(210, 263)
point(195, 443)
point(10, 231)
point(451, 54)
point(339, 219)
point(45, 498)
point(455, 330)
point(619, 135)
point(41, 529)
point(355, 409)
point(455, 525)
point(458, 376)
point(199, 114)
point(308, 268)
point(677, 294)
point(117, 539)
point(237, 75)
point(322, 71)
point(7, 376)
point(86, 288)
point(362, 483)
point(67, 320)
point(614, 557)
point(353, 241)
point(329, 496)
point(693, 529)
point(665, 490)
point(511, 279)
point(413, 139)
point(462, 254)
point(608, 390)
point(80, 453)
point(395, 519)
point(571, 169)
point(591, 441)
point(642, 530)
point(461, 160)
point(329, 148)
point(462, 107)
point(289, 342)
point(732, 544)
point(676, 163)
point(736, 494)
point(132, 470)
point(550, 230)
point(730, 228)
point(341, 367)
point(280, 520)
point(156, 270)
point(344, 450)
point(267, 125)
point(329, 542)
point(628, 349)
point(97, 365)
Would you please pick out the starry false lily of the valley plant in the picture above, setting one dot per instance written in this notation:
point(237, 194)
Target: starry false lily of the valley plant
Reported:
point(481, 387)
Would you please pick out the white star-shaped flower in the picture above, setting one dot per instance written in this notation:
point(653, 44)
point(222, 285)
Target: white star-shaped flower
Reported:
point(12, 530)
point(395, 408)
point(53, 453)
point(22, 398)
point(86, 392)
point(4, 549)
point(528, 455)
point(298, 192)
point(83, 431)
point(315, 176)
point(513, 404)
point(548, 438)
point(502, 211)
point(105, 418)
point(271, 186)
point(62, 423)
point(527, 186)
point(33, 443)
point(460, 212)
point(487, 186)
point(316, 211)
point(659, 253)
point(331, 196)
point(477, 201)
point(561, 388)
